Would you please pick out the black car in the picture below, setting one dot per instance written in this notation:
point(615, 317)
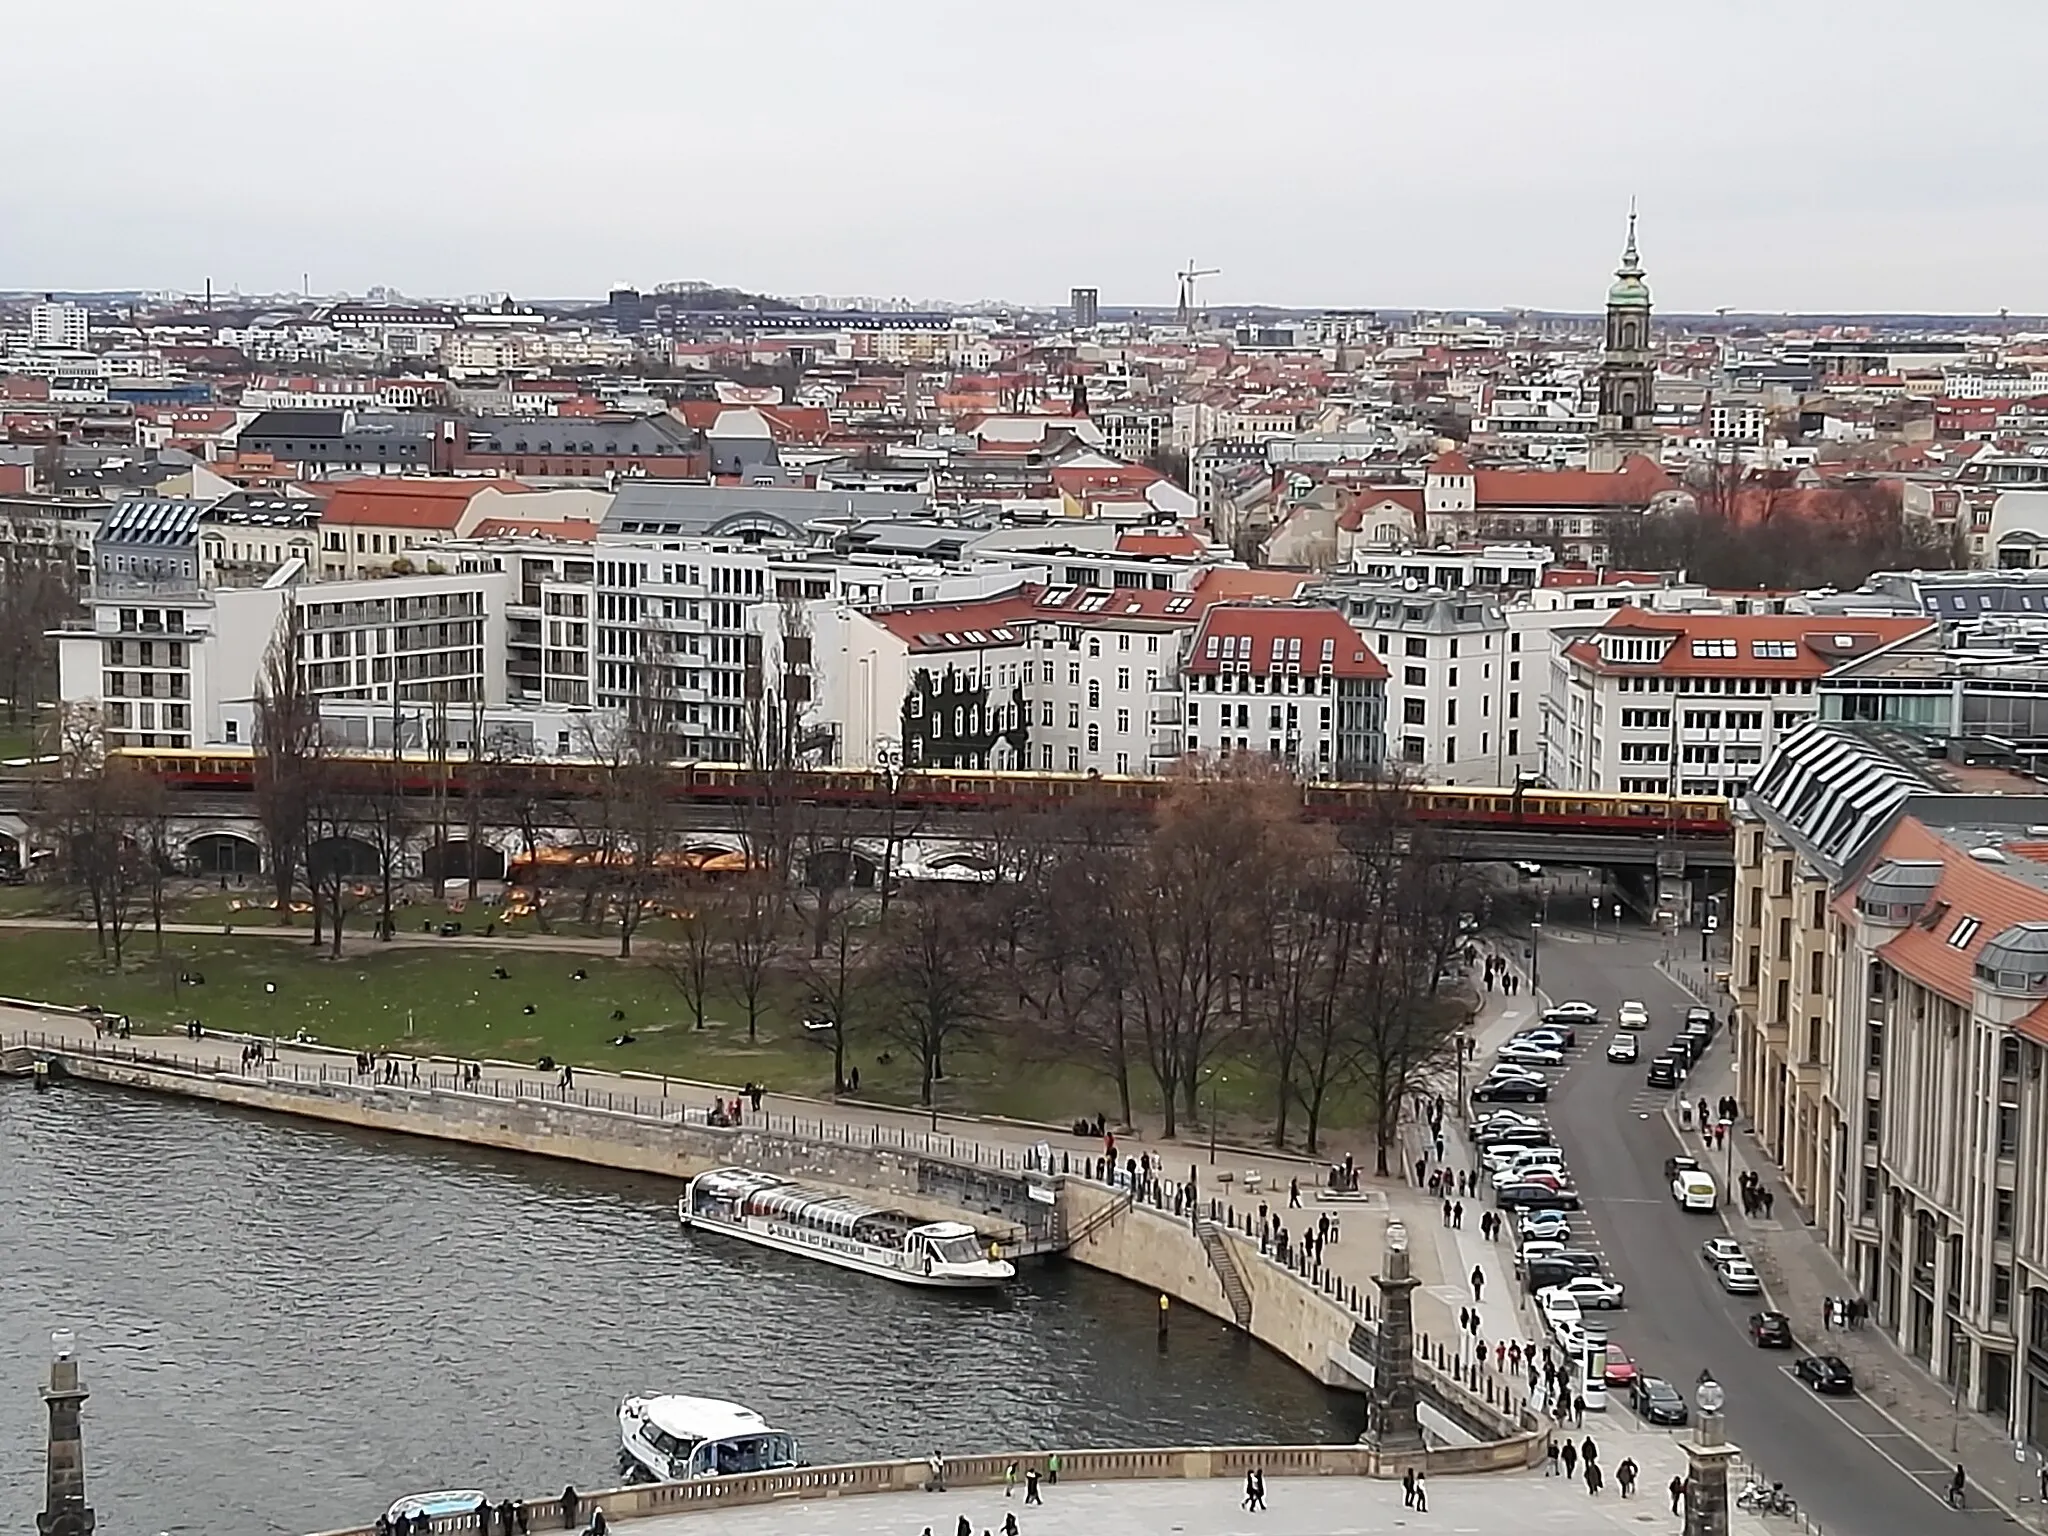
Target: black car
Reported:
point(1664, 1072)
point(1517, 1136)
point(1825, 1373)
point(1687, 1048)
point(1541, 1274)
point(1577, 1260)
point(1535, 1197)
point(1511, 1090)
point(1701, 1021)
point(1770, 1330)
point(1656, 1401)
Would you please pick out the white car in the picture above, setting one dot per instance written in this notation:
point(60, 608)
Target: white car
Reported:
point(1521, 1157)
point(1522, 1172)
point(1623, 1048)
point(1529, 1053)
point(1738, 1277)
point(1560, 1308)
point(1572, 1012)
point(1633, 1015)
point(1540, 1226)
point(1594, 1293)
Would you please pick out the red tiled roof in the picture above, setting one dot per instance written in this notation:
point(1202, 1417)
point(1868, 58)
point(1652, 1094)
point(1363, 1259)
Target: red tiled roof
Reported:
point(1817, 644)
point(390, 502)
point(1270, 638)
point(1104, 477)
point(953, 626)
point(1582, 576)
point(1175, 541)
point(1229, 583)
point(1450, 463)
point(1636, 483)
point(575, 530)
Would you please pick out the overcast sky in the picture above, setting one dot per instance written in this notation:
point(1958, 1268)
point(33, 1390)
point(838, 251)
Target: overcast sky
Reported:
point(1816, 155)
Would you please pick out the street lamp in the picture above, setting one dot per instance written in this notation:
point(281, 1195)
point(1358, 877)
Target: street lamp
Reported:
point(1215, 1078)
point(1535, 941)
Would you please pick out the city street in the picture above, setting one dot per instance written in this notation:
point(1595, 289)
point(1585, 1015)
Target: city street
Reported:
point(1850, 1466)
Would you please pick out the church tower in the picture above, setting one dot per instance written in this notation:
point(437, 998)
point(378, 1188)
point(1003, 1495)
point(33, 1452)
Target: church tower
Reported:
point(1628, 371)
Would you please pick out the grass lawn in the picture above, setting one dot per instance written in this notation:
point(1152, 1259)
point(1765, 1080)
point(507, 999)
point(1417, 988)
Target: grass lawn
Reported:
point(421, 997)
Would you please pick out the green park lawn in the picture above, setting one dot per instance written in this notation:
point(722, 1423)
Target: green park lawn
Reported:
point(422, 997)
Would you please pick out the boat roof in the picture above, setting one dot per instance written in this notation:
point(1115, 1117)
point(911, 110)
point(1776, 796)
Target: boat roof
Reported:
point(943, 1229)
point(447, 1501)
point(701, 1418)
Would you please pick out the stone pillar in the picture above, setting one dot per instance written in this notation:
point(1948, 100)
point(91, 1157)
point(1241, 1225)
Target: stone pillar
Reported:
point(1391, 1423)
point(64, 1508)
point(1708, 1456)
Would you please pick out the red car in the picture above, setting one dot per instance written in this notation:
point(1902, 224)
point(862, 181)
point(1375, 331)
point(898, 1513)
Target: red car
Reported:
point(1621, 1371)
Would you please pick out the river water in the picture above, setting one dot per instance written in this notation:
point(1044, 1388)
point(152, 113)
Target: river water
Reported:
point(284, 1326)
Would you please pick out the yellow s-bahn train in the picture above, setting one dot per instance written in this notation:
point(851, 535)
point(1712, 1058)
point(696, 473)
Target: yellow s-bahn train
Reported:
point(1691, 816)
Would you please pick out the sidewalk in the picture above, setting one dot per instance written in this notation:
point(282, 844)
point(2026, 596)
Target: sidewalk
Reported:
point(1799, 1274)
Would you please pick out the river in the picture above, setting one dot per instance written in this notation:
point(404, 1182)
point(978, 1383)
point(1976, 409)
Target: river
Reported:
point(284, 1326)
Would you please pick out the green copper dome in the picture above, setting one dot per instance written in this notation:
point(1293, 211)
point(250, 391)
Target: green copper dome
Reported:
point(1629, 290)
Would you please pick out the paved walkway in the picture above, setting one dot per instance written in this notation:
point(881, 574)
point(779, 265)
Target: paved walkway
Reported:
point(1321, 1506)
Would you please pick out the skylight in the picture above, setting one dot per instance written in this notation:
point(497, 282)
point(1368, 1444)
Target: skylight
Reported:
point(1966, 930)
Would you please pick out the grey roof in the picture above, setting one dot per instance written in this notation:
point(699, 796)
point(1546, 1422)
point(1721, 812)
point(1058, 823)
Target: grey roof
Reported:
point(288, 423)
point(634, 436)
point(713, 511)
point(2023, 947)
point(152, 521)
point(1830, 791)
point(1902, 882)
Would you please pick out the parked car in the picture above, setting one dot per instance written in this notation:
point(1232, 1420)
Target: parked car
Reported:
point(1718, 1250)
point(1502, 1120)
point(1536, 1197)
point(1825, 1373)
point(1536, 1135)
point(1656, 1401)
point(1738, 1277)
point(1594, 1292)
point(1575, 1011)
point(1530, 1055)
point(1701, 1020)
point(1539, 1226)
point(1695, 1191)
point(1770, 1330)
point(1556, 1039)
point(1633, 1015)
point(1665, 1072)
point(1688, 1048)
point(1516, 1069)
point(1674, 1166)
point(1511, 1090)
point(1558, 1307)
point(1622, 1048)
point(1620, 1370)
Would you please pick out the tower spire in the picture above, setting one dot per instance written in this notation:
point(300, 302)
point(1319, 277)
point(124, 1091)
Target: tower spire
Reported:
point(1631, 263)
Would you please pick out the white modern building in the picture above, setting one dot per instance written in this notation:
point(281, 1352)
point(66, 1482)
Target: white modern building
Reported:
point(56, 326)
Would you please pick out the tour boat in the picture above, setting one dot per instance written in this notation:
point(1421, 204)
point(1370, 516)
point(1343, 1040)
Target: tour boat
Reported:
point(768, 1209)
point(672, 1439)
point(436, 1506)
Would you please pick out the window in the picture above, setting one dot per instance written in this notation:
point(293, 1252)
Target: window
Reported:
point(1411, 749)
point(1714, 649)
point(1094, 737)
point(1073, 717)
point(1774, 650)
point(2001, 1215)
point(1414, 712)
point(1094, 693)
point(1415, 677)
point(1123, 678)
point(1415, 647)
point(1873, 1121)
point(1123, 720)
point(1965, 931)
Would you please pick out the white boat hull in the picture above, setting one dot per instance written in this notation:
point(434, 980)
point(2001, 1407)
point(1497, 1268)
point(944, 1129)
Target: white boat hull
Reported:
point(861, 1258)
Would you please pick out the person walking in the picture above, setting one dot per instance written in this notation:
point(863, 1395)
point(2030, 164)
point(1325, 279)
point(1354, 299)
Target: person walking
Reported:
point(963, 1528)
point(1588, 1451)
point(1258, 1488)
point(1677, 1491)
point(1625, 1477)
point(1408, 1488)
point(1052, 1469)
point(1550, 1460)
point(1294, 1194)
point(1251, 1490)
point(1579, 1421)
point(1009, 1522)
point(1593, 1479)
point(1570, 1457)
point(1955, 1488)
point(1009, 1479)
point(1031, 1487)
point(1421, 1494)
point(1478, 1283)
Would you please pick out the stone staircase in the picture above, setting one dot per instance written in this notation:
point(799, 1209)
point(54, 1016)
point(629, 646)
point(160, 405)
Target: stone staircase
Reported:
point(1101, 1217)
point(1224, 1261)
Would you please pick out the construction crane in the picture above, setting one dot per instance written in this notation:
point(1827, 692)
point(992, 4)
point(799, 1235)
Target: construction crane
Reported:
point(1188, 278)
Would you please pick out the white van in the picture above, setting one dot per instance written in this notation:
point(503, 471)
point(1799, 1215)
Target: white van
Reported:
point(1592, 1361)
point(1694, 1190)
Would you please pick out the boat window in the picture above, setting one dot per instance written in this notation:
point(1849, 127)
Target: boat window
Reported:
point(957, 1250)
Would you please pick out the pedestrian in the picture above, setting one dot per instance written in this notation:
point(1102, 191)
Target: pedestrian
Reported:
point(1593, 1478)
point(1421, 1166)
point(1955, 1488)
point(1550, 1460)
point(1052, 1469)
point(1588, 1451)
point(1570, 1457)
point(1478, 1283)
point(1009, 1479)
point(1464, 1319)
point(1258, 1488)
point(1625, 1477)
point(483, 1517)
point(963, 1528)
point(1251, 1490)
point(1421, 1494)
point(1408, 1488)
point(1827, 1311)
point(1770, 1203)
point(1579, 1421)
point(1515, 1355)
point(1439, 1148)
point(1009, 1522)
point(1294, 1194)
point(1500, 1357)
point(1677, 1490)
point(570, 1504)
point(1447, 1211)
point(1457, 1215)
point(1031, 1487)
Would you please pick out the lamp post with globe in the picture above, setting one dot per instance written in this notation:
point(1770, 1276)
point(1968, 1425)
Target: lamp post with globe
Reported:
point(1708, 1456)
point(1392, 1423)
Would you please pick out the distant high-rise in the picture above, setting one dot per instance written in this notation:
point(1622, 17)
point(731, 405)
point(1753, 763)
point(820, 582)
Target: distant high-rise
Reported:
point(1084, 305)
point(1628, 369)
point(628, 313)
point(51, 324)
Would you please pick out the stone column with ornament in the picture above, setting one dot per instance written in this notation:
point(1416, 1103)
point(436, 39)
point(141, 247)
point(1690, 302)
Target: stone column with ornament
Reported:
point(65, 1512)
point(1708, 1456)
point(1392, 1423)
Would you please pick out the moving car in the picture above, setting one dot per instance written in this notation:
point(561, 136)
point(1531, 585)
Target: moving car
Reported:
point(1536, 1197)
point(1633, 1015)
point(1620, 1371)
point(1559, 1308)
point(1695, 1191)
point(1530, 1054)
point(1770, 1330)
point(1511, 1090)
point(1665, 1072)
point(1718, 1250)
point(1575, 1011)
point(1622, 1048)
point(1738, 1277)
point(1656, 1401)
point(1825, 1373)
point(1594, 1292)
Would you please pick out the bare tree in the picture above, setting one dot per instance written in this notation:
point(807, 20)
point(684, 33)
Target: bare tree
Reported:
point(931, 963)
point(97, 812)
point(756, 923)
point(690, 959)
point(840, 975)
point(36, 595)
point(341, 819)
point(287, 752)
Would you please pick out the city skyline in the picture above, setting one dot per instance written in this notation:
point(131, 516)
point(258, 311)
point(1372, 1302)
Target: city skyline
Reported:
point(798, 149)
